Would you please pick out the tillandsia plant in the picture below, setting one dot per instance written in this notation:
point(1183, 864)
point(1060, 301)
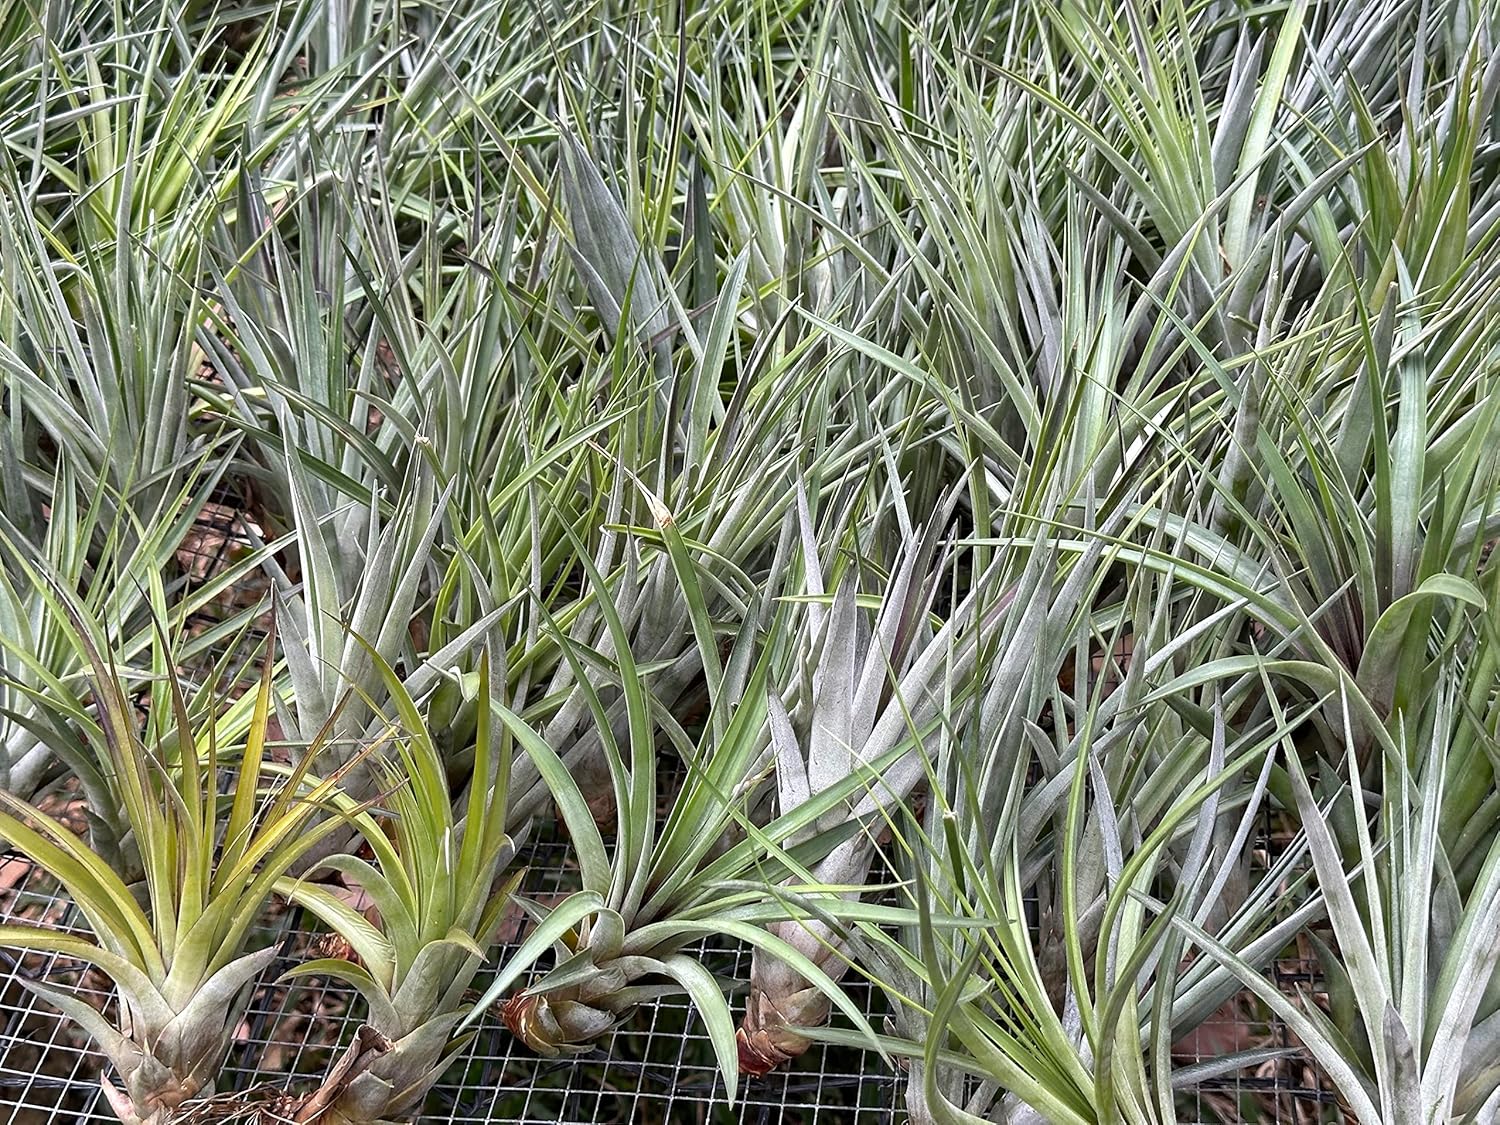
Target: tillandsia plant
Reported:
point(1075, 828)
point(355, 476)
point(1413, 1033)
point(659, 453)
point(364, 502)
point(98, 350)
point(437, 884)
point(38, 654)
point(980, 1002)
point(668, 882)
point(872, 689)
point(515, 325)
point(183, 955)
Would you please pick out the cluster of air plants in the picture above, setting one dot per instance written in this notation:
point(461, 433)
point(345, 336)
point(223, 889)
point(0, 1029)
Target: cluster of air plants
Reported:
point(912, 490)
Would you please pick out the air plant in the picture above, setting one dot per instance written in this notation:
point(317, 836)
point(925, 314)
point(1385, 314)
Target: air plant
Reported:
point(521, 324)
point(670, 881)
point(365, 505)
point(1415, 1001)
point(37, 654)
point(1089, 1041)
point(1067, 993)
point(97, 351)
point(647, 441)
point(872, 690)
point(437, 884)
point(183, 957)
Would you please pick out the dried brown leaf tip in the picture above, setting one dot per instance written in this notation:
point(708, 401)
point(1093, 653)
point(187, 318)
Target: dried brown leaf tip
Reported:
point(332, 945)
point(368, 1045)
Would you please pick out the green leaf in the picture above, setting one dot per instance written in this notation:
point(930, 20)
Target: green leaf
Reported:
point(1392, 635)
point(562, 918)
point(708, 998)
point(365, 938)
point(583, 833)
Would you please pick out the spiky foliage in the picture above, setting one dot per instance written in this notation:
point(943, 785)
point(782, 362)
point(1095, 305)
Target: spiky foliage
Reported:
point(181, 960)
point(865, 690)
point(436, 884)
point(1174, 324)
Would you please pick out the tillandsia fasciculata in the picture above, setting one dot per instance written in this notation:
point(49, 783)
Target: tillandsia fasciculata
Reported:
point(125, 580)
point(183, 954)
point(874, 690)
point(722, 469)
point(438, 886)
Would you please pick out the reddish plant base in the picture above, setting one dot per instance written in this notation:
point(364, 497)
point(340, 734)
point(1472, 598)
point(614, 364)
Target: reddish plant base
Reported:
point(518, 1013)
point(758, 1055)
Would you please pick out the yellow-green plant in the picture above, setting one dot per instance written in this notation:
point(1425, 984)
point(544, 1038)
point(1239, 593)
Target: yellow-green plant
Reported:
point(183, 952)
point(434, 884)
